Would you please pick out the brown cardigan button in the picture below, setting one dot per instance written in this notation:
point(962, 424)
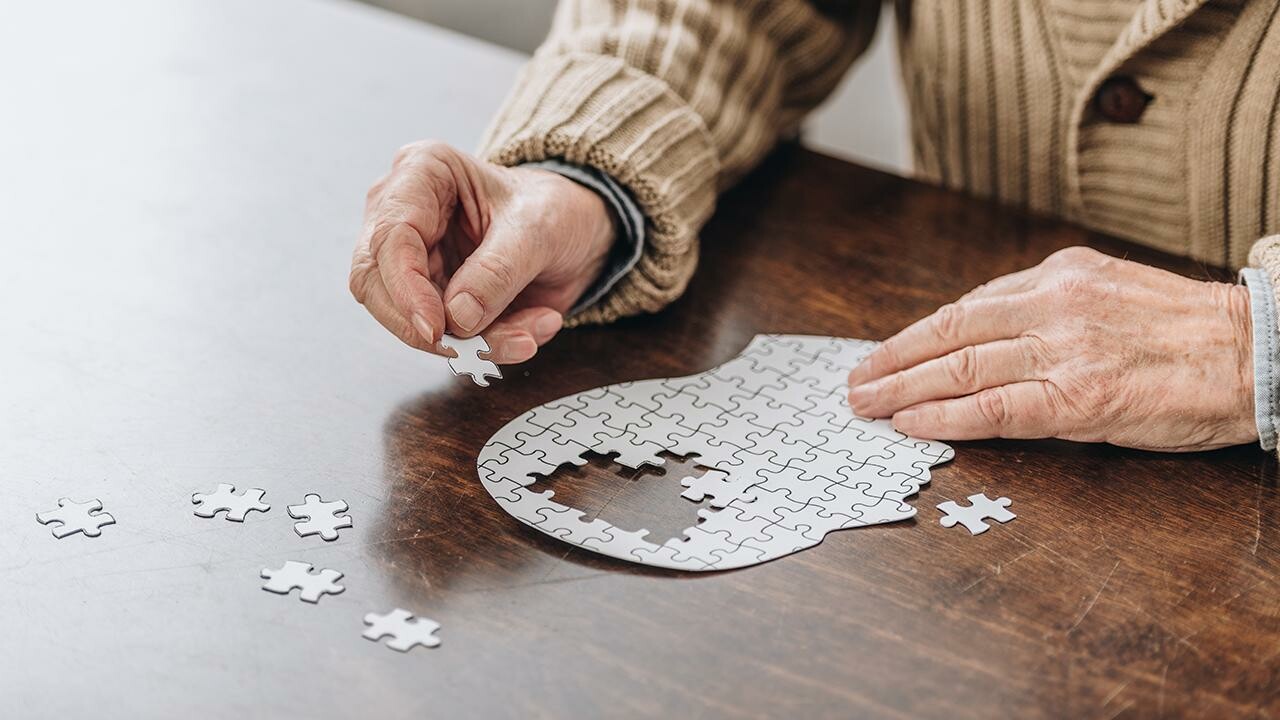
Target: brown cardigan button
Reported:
point(1120, 100)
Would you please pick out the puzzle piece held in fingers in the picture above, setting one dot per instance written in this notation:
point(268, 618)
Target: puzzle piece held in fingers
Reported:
point(468, 360)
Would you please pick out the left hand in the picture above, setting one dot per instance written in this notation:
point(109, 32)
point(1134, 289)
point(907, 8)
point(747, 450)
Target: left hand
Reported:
point(1081, 347)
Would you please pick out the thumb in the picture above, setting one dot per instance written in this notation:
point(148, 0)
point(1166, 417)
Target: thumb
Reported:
point(491, 277)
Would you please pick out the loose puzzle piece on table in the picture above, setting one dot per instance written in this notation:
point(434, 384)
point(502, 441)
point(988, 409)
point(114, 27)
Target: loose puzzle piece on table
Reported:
point(298, 575)
point(225, 498)
point(73, 517)
point(981, 508)
point(319, 517)
point(468, 361)
point(405, 630)
point(787, 461)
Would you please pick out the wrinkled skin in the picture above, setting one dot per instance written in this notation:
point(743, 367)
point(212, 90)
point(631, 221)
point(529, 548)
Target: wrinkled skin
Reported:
point(454, 244)
point(1082, 347)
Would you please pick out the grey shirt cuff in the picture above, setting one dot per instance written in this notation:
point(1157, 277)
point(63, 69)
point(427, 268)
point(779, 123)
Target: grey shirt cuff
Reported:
point(1266, 354)
point(628, 246)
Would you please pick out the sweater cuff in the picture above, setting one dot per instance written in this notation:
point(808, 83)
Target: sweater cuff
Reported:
point(598, 112)
point(629, 245)
point(1266, 354)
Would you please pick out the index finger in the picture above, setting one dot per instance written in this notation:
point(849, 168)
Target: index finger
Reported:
point(949, 328)
point(404, 264)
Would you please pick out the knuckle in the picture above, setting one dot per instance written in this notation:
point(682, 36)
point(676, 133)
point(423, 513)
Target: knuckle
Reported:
point(499, 269)
point(886, 357)
point(947, 321)
point(418, 148)
point(895, 386)
point(1075, 285)
point(993, 406)
point(1037, 353)
point(1074, 256)
point(358, 280)
point(975, 292)
point(356, 285)
point(962, 366)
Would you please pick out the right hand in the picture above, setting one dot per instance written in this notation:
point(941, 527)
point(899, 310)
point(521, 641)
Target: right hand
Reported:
point(459, 245)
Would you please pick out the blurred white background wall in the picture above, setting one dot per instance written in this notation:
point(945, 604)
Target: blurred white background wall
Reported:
point(865, 120)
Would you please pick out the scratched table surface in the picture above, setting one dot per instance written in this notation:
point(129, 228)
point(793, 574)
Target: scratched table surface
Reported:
point(180, 186)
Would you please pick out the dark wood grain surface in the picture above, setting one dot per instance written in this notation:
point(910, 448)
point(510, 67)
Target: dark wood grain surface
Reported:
point(182, 320)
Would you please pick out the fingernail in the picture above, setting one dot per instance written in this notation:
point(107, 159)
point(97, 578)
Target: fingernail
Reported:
point(906, 418)
point(860, 396)
point(519, 349)
point(859, 374)
point(547, 325)
point(466, 311)
point(424, 329)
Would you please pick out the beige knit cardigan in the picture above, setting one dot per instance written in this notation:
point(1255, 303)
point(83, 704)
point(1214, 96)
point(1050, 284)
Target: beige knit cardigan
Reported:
point(676, 99)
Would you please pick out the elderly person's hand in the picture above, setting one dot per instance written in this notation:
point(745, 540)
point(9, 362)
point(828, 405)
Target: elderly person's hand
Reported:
point(455, 244)
point(1081, 347)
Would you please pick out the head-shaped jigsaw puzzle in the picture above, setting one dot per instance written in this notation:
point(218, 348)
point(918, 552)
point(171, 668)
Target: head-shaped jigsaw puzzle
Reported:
point(787, 461)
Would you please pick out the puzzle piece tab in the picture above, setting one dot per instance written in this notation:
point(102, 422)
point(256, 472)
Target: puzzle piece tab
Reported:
point(468, 360)
point(981, 508)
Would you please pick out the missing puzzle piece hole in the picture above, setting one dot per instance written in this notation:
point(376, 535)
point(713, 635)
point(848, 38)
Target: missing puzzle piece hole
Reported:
point(629, 499)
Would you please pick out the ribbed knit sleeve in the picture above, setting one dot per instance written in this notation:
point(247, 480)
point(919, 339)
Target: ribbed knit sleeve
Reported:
point(675, 99)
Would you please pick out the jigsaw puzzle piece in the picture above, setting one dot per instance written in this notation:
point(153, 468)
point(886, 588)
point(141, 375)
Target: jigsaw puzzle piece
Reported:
point(556, 415)
point(294, 575)
point(405, 630)
point(721, 487)
point(711, 452)
point(752, 377)
point(74, 516)
point(567, 524)
point(512, 464)
point(319, 517)
point(980, 508)
point(467, 360)
point(556, 448)
point(621, 544)
point(224, 498)
point(631, 451)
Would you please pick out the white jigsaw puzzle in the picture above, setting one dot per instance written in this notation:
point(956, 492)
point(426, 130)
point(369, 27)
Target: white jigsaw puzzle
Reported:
point(405, 630)
point(73, 517)
point(226, 499)
point(294, 575)
point(980, 508)
point(468, 361)
point(786, 457)
point(320, 517)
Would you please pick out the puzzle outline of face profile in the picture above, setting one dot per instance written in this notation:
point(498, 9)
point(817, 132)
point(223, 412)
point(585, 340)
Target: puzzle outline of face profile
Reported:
point(76, 516)
point(406, 630)
point(319, 517)
point(237, 505)
point(468, 360)
point(774, 424)
point(980, 508)
point(296, 575)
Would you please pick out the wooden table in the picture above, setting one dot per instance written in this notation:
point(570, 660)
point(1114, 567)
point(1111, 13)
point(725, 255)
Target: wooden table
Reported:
point(179, 197)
